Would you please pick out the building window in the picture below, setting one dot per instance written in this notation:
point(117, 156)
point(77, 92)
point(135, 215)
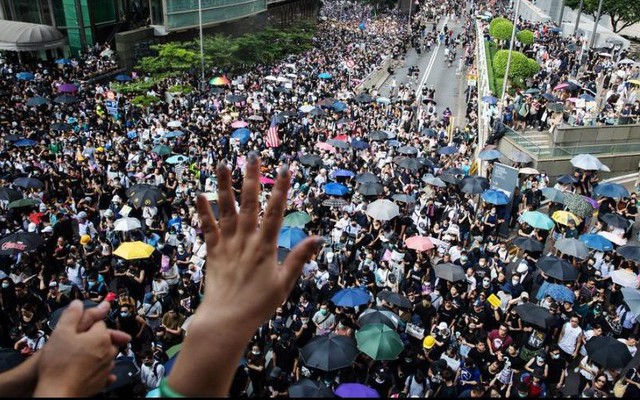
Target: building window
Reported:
point(157, 12)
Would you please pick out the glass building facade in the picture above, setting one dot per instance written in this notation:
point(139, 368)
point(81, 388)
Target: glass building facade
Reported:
point(183, 14)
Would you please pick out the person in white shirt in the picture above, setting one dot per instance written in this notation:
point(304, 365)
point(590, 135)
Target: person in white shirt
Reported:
point(570, 338)
point(151, 371)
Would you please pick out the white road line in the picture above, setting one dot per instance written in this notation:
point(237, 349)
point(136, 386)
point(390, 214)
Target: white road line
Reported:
point(430, 66)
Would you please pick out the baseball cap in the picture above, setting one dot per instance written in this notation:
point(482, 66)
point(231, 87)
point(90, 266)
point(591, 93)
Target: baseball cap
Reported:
point(53, 284)
point(478, 303)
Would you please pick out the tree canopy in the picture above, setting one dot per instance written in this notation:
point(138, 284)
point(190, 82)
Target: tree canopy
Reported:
point(501, 30)
point(521, 66)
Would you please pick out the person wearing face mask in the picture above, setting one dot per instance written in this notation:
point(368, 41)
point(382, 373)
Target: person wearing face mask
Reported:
point(128, 322)
point(302, 330)
point(324, 319)
point(513, 286)
point(151, 370)
point(257, 369)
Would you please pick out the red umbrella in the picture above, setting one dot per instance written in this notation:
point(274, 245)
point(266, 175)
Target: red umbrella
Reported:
point(419, 243)
point(326, 146)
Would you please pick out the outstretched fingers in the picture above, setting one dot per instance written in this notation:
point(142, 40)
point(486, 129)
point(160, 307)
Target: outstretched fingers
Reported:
point(207, 222)
point(226, 200)
point(249, 206)
point(272, 220)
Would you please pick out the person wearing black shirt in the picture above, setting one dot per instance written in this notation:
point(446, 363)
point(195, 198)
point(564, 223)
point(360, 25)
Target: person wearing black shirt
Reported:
point(426, 311)
point(285, 355)
point(446, 312)
point(480, 354)
point(302, 330)
point(365, 277)
point(557, 369)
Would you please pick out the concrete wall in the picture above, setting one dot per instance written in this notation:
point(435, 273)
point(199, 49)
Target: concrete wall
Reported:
point(573, 136)
point(376, 78)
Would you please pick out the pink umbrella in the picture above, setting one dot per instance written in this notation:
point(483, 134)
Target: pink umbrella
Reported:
point(561, 86)
point(343, 138)
point(239, 124)
point(326, 146)
point(572, 99)
point(419, 243)
point(265, 180)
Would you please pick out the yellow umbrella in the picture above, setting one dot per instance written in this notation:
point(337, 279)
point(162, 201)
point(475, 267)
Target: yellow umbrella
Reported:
point(634, 81)
point(563, 217)
point(134, 250)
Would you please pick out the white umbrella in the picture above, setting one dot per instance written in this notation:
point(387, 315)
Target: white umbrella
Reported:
point(529, 171)
point(126, 224)
point(625, 278)
point(613, 238)
point(292, 66)
point(306, 108)
point(282, 79)
point(255, 118)
point(588, 162)
point(294, 76)
point(270, 78)
point(174, 124)
point(626, 61)
point(383, 210)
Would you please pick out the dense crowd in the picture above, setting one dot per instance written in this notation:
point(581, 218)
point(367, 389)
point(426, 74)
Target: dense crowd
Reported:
point(450, 277)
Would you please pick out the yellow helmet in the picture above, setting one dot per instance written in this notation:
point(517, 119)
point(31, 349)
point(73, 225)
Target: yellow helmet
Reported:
point(428, 342)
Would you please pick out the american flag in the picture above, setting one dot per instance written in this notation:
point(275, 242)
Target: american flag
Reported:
point(273, 140)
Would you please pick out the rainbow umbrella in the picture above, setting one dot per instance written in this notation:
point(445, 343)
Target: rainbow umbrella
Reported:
point(220, 81)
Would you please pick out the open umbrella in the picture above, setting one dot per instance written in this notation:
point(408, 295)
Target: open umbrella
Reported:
point(564, 217)
point(10, 194)
point(311, 160)
point(339, 144)
point(494, 196)
point(631, 296)
point(126, 373)
point(307, 388)
point(342, 173)
point(52, 322)
point(220, 81)
point(235, 98)
point(29, 183)
point(615, 219)
point(161, 150)
point(242, 134)
point(296, 219)
point(359, 144)
point(367, 177)
point(329, 352)
point(596, 242)
point(537, 220)
point(356, 391)
point(404, 198)
point(528, 171)
point(383, 210)
point(608, 352)
point(447, 150)
point(25, 143)
point(419, 243)
point(429, 179)
point(325, 146)
point(528, 244)
point(338, 203)
point(363, 98)
point(491, 154)
point(177, 159)
point(474, 184)
point(380, 315)
point(289, 237)
point(555, 107)
point(19, 242)
point(378, 135)
point(624, 278)
point(134, 250)
point(394, 298)
point(145, 195)
point(350, 297)
point(20, 203)
point(492, 100)
point(613, 238)
point(126, 224)
point(239, 124)
point(566, 179)
point(123, 78)
point(609, 189)
point(174, 124)
point(577, 204)
point(379, 342)
point(630, 252)
point(449, 272)
point(335, 189)
point(325, 75)
point(60, 126)
point(25, 76)
point(65, 99)
point(557, 292)
point(370, 188)
point(409, 163)
point(572, 247)
point(67, 88)
point(37, 101)
point(557, 268)
point(409, 150)
point(553, 194)
point(588, 162)
point(535, 315)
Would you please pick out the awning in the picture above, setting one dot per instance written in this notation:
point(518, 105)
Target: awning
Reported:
point(23, 36)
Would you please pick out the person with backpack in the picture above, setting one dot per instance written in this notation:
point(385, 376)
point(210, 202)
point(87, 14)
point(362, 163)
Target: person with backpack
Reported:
point(151, 370)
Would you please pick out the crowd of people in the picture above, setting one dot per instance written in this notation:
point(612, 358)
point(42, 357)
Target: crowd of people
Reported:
point(449, 276)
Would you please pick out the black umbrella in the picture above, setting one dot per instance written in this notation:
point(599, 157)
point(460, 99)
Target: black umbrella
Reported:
point(407, 150)
point(329, 352)
point(452, 171)
point(370, 188)
point(60, 126)
point(377, 315)
point(566, 179)
point(10, 194)
point(608, 352)
point(318, 112)
point(615, 219)
point(13, 138)
point(425, 161)
point(555, 107)
point(449, 272)
point(19, 242)
point(145, 195)
point(363, 98)
point(629, 252)
point(65, 99)
point(557, 268)
point(217, 90)
point(282, 89)
point(454, 179)
point(311, 160)
point(328, 102)
point(126, 373)
point(378, 135)
point(528, 244)
point(306, 388)
point(367, 177)
point(343, 121)
point(572, 47)
point(395, 299)
point(29, 183)
point(404, 198)
point(55, 316)
point(474, 184)
point(234, 98)
point(429, 132)
point(408, 163)
point(340, 144)
point(535, 315)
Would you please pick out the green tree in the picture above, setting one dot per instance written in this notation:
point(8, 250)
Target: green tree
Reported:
point(532, 67)
point(496, 21)
point(171, 56)
point(622, 13)
point(525, 37)
point(520, 66)
point(502, 30)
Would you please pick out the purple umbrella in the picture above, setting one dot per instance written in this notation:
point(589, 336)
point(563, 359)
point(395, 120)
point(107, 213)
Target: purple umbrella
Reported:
point(355, 390)
point(67, 88)
point(594, 203)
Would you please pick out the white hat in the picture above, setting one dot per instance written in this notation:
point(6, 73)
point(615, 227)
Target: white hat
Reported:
point(116, 198)
point(82, 214)
point(330, 256)
point(442, 326)
point(42, 207)
point(108, 213)
point(32, 227)
point(522, 268)
point(47, 229)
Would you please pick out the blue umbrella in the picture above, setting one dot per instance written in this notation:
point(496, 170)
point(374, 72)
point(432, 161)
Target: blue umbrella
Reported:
point(550, 97)
point(496, 197)
point(491, 154)
point(339, 106)
point(336, 189)
point(555, 30)
point(290, 236)
point(25, 76)
point(123, 78)
point(490, 100)
point(383, 100)
point(609, 189)
point(448, 150)
point(243, 134)
point(350, 297)
point(173, 134)
point(556, 291)
point(325, 75)
point(394, 143)
point(25, 143)
point(359, 144)
point(37, 101)
point(63, 61)
point(343, 173)
point(596, 242)
point(587, 97)
point(177, 159)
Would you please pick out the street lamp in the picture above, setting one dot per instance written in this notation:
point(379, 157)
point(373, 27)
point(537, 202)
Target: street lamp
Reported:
point(595, 25)
point(575, 29)
point(506, 72)
point(201, 46)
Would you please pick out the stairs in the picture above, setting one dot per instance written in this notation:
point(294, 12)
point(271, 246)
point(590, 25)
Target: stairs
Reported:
point(536, 143)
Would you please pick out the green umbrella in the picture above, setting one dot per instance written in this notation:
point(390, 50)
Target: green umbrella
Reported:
point(297, 219)
point(379, 342)
point(173, 350)
point(161, 150)
point(577, 204)
point(537, 220)
point(23, 203)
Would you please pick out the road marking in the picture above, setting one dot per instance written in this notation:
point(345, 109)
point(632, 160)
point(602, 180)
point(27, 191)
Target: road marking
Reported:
point(432, 61)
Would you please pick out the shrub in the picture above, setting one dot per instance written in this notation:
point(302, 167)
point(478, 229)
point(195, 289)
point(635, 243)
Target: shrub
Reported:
point(525, 37)
point(502, 30)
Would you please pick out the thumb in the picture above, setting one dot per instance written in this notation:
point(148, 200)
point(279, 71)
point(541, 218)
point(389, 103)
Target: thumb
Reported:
point(70, 317)
point(300, 254)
